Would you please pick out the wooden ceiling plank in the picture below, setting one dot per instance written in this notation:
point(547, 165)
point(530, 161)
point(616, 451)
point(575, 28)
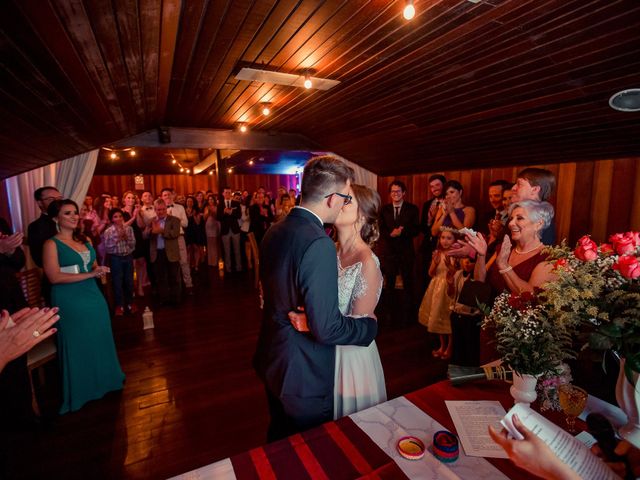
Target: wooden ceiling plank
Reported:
point(280, 36)
point(168, 38)
point(216, 73)
point(150, 16)
point(127, 21)
point(53, 55)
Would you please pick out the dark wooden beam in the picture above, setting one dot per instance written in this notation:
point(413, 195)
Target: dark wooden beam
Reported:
point(221, 139)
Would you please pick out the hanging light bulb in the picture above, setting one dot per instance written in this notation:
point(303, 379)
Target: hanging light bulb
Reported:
point(187, 171)
point(243, 128)
point(113, 155)
point(132, 153)
point(250, 162)
point(181, 169)
point(266, 109)
point(174, 161)
point(307, 82)
point(210, 172)
point(409, 10)
point(229, 170)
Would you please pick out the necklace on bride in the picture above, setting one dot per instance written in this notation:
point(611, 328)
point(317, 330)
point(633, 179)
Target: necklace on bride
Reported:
point(519, 252)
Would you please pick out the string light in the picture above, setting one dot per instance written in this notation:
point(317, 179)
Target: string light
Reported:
point(210, 172)
point(229, 170)
point(132, 153)
point(181, 169)
point(187, 171)
point(174, 161)
point(250, 162)
point(113, 155)
point(409, 10)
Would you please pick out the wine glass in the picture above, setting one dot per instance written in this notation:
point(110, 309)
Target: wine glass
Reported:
point(572, 400)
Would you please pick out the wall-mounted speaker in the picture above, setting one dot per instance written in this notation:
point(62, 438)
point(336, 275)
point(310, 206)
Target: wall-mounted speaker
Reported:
point(164, 135)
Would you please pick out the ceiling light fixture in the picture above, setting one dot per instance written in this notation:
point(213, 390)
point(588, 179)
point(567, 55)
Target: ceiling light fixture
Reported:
point(409, 10)
point(626, 100)
point(210, 172)
point(297, 79)
point(113, 155)
point(266, 109)
point(174, 161)
point(307, 82)
point(229, 170)
point(132, 153)
point(181, 169)
point(187, 171)
point(243, 127)
point(250, 162)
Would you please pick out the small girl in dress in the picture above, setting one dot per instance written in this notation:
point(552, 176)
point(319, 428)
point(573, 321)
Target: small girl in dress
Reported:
point(435, 307)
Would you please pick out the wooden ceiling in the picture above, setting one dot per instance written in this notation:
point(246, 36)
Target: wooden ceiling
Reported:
point(462, 85)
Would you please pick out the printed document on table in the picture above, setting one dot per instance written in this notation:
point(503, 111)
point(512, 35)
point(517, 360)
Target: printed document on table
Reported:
point(568, 449)
point(472, 420)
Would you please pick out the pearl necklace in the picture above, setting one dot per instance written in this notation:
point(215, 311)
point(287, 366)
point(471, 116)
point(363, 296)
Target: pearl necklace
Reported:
point(528, 251)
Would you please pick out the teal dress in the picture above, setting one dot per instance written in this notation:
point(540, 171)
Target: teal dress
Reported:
point(87, 353)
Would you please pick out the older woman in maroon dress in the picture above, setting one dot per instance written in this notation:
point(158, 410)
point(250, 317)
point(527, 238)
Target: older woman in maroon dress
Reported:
point(519, 265)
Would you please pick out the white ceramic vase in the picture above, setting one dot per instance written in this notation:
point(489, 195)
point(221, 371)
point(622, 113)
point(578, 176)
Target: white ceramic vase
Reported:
point(523, 389)
point(628, 397)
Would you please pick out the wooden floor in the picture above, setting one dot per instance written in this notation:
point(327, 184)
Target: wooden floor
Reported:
point(191, 396)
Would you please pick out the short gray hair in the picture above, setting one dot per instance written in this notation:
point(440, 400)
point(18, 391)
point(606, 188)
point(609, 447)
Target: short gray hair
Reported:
point(537, 211)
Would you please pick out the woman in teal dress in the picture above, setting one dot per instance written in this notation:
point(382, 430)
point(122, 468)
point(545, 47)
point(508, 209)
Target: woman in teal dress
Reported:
point(86, 351)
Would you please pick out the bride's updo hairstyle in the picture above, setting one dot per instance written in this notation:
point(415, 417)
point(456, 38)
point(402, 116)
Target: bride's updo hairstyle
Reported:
point(368, 208)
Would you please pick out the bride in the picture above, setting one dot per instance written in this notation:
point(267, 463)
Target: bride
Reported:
point(359, 379)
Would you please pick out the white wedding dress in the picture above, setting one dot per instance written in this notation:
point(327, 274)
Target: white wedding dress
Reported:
point(359, 379)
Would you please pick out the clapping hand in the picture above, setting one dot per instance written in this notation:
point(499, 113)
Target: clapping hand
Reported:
point(100, 271)
point(23, 330)
point(299, 320)
point(477, 242)
point(9, 243)
point(502, 259)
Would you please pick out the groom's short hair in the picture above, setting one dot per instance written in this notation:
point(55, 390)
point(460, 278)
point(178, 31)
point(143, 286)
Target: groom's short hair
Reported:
point(322, 176)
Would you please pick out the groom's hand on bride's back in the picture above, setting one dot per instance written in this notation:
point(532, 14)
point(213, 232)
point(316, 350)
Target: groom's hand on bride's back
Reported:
point(299, 320)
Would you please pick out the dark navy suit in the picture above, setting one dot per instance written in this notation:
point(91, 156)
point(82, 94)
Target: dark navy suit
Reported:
point(298, 266)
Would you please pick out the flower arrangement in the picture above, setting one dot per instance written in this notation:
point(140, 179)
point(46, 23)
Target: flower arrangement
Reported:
point(598, 290)
point(528, 339)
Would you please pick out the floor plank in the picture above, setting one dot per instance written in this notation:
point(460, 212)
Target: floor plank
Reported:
point(191, 396)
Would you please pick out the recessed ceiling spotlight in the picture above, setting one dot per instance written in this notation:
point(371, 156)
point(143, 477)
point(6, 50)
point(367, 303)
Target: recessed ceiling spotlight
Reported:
point(307, 82)
point(409, 10)
point(266, 109)
point(132, 153)
point(626, 100)
point(242, 127)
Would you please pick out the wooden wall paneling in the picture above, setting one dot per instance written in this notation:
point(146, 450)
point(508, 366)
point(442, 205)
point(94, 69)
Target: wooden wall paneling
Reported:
point(621, 197)
point(602, 178)
point(582, 202)
point(564, 204)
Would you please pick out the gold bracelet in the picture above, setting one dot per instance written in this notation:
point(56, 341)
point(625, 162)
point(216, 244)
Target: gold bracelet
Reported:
point(505, 270)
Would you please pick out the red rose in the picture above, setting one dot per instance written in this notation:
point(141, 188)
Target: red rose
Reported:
point(560, 263)
point(587, 250)
point(606, 249)
point(634, 237)
point(628, 267)
point(624, 244)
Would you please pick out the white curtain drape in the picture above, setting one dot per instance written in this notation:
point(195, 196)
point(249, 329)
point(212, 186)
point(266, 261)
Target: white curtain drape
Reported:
point(71, 177)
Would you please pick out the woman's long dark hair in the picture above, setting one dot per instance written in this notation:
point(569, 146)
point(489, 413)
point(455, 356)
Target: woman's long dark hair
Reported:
point(53, 210)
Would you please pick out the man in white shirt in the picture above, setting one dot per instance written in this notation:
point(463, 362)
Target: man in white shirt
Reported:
point(177, 210)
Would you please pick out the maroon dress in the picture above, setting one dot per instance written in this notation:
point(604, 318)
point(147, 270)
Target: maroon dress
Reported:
point(524, 270)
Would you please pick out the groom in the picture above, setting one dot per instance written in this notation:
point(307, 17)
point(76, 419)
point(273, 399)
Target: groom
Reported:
point(298, 266)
